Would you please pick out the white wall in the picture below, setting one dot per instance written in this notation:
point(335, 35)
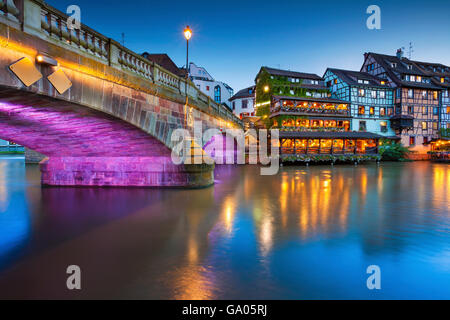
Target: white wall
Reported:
point(238, 111)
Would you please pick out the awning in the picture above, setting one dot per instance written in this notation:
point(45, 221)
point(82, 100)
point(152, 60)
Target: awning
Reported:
point(328, 135)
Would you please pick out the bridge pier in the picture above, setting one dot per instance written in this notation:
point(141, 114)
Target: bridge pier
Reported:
point(156, 171)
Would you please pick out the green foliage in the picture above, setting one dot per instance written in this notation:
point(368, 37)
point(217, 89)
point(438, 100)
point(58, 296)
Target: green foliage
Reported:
point(392, 151)
point(445, 132)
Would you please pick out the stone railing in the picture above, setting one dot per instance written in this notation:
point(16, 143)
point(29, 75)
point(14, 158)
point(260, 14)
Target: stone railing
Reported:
point(40, 19)
point(11, 10)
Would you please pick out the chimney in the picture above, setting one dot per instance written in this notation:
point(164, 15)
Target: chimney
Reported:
point(400, 53)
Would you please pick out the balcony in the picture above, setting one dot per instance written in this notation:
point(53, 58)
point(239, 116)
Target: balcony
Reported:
point(402, 122)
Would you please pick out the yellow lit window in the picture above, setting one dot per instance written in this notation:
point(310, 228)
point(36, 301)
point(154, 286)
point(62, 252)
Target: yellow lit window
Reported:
point(424, 125)
point(442, 80)
point(448, 110)
point(361, 110)
point(372, 111)
point(383, 83)
point(435, 95)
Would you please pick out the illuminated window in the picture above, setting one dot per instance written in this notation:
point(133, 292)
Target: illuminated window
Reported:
point(419, 79)
point(382, 112)
point(410, 110)
point(442, 80)
point(361, 92)
point(373, 94)
point(412, 141)
point(382, 94)
point(435, 95)
point(435, 125)
point(410, 93)
point(413, 78)
point(372, 111)
point(383, 126)
point(424, 110)
point(448, 110)
point(424, 125)
point(361, 110)
point(390, 111)
point(383, 83)
point(425, 94)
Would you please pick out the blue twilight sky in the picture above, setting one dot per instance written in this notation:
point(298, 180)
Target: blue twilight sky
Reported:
point(233, 38)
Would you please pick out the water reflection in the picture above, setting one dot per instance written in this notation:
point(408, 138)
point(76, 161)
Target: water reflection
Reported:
point(305, 233)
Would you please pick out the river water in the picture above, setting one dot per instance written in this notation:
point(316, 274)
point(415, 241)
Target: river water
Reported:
point(306, 233)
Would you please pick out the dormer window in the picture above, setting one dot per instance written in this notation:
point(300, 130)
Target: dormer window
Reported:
point(409, 66)
point(383, 83)
point(393, 65)
point(442, 80)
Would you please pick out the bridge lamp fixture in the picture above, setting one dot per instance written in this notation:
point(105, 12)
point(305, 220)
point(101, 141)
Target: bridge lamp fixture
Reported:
point(187, 33)
point(266, 89)
point(46, 60)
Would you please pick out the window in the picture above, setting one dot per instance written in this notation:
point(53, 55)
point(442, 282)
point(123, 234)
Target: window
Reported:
point(435, 125)
point(435, 111)
point(409, 66)
point(390, 111)
point(372, 111)
point(435, 95)
point(383, 126)
point(361, 92)
point(207, 88)
point(448, 110)
point(217, 94)
point(442, 80)
point(410, 110)
point(382, 112)
point(410, 93)
point(425, 140)
point(424, 110)
point(383, 83)
point(361, 110)
point(412, 141)
point(424, 125)
point(425, 94)
point(412, 78)
point(419, 79)
point(382, 94)
point(373, 94)
point(244, 104)
point(362, 126)
point(335, 81)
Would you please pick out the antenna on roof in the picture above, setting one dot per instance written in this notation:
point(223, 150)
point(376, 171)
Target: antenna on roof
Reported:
point(410, 50)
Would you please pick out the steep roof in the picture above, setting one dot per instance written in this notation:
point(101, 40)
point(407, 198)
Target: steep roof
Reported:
point(164, 61)
point(395, 66)
point(293, 74)
point(352, 77)
point(244, 93)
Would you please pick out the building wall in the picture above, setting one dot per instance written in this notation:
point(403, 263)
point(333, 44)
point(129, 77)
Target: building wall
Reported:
point(206, 83)
point(341, 90)
point(445, 110)
point(424, 110)
point(241, 112)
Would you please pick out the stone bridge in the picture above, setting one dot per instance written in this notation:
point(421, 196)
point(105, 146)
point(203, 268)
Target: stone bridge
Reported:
point(113, 126)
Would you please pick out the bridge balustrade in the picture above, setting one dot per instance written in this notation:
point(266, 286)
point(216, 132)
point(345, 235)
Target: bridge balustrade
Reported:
point(51, 25)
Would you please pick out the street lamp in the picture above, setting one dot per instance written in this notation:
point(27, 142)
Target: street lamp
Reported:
point(187, 35)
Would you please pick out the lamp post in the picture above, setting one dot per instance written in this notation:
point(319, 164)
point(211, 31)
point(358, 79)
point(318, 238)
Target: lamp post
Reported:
point(187, 35)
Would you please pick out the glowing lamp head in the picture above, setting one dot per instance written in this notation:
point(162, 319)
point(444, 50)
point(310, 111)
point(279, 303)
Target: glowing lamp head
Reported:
point(187, 33)
point(266, 88)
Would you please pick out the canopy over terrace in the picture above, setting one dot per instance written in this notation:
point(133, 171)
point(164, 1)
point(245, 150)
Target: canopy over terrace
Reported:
point(329, 143)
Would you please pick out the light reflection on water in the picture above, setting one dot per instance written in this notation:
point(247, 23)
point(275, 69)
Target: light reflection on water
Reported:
point(305, 233)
